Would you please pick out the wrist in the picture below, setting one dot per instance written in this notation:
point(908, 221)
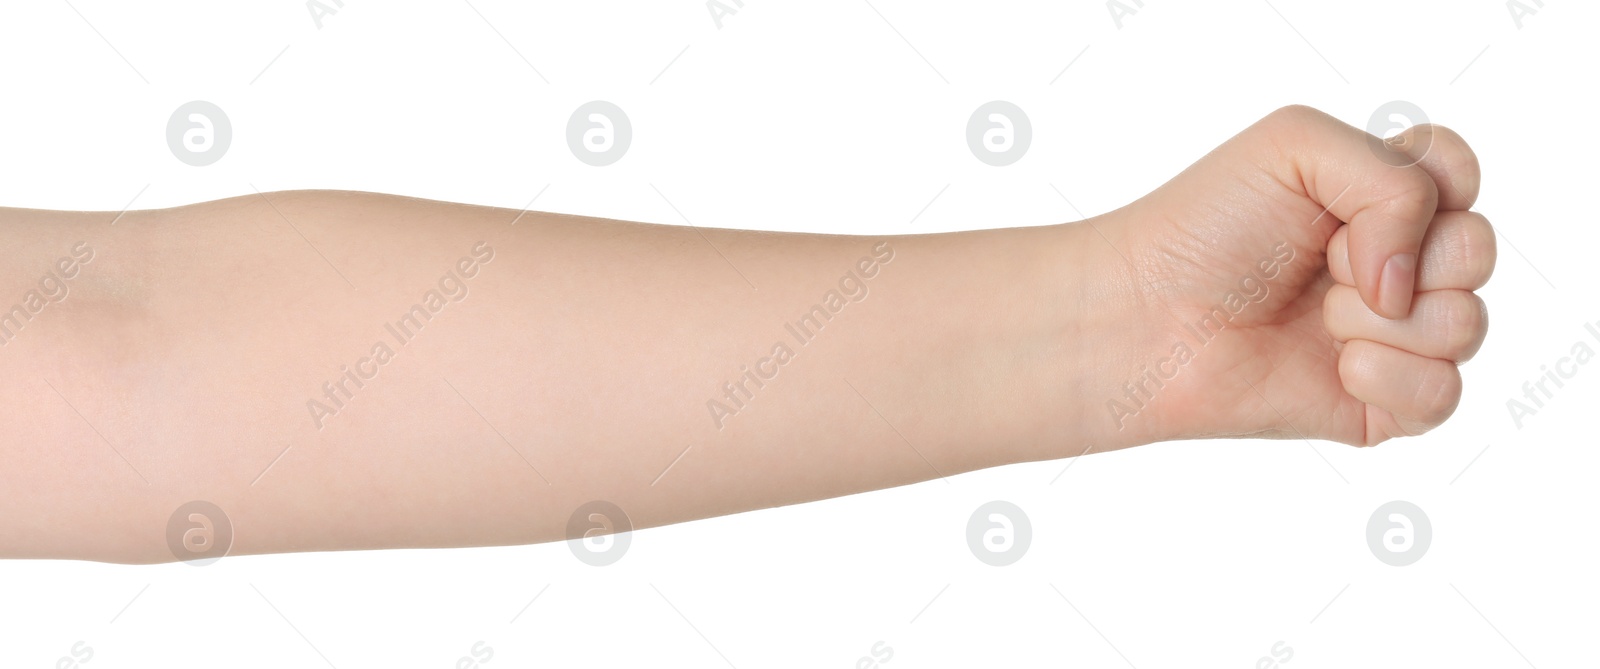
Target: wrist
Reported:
point(1103, 329)
point(1068, 325)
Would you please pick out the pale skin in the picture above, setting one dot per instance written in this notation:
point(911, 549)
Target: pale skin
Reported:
point(581, 363)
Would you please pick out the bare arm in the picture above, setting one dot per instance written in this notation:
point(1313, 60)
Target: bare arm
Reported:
point(419, 373)
point(337, 370)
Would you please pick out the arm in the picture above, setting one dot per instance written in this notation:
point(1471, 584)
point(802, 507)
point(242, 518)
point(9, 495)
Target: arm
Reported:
point(282, 357)
point(562, 360)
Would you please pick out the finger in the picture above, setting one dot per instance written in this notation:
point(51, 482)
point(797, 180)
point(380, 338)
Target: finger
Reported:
point(1443, 324)
point(1445, 156)
point(1406, 394)
point(1458, 252)
point(1388, 207)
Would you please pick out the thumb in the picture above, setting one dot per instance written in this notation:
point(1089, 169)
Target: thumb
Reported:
point(1387, 203)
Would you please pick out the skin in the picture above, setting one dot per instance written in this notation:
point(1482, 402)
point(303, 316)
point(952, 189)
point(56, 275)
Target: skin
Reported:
point(580, 362)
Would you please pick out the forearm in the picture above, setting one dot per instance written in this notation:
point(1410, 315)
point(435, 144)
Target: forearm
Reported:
point(267, 358)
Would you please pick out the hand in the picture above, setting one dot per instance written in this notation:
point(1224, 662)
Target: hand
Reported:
point(1320, 280)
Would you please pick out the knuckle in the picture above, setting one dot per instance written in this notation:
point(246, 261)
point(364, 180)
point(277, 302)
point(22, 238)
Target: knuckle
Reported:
point(1466, 321)
point(1479, 248)
point(1294, 112)
point(1461, 156)
point(1292, 122)
point(1410, 193)
point(1438, 393)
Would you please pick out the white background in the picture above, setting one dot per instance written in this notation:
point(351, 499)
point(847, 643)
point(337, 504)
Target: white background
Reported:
point(845, 117)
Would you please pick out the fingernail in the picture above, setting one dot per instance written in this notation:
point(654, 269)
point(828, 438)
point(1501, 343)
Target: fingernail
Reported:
point(1394, 287)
